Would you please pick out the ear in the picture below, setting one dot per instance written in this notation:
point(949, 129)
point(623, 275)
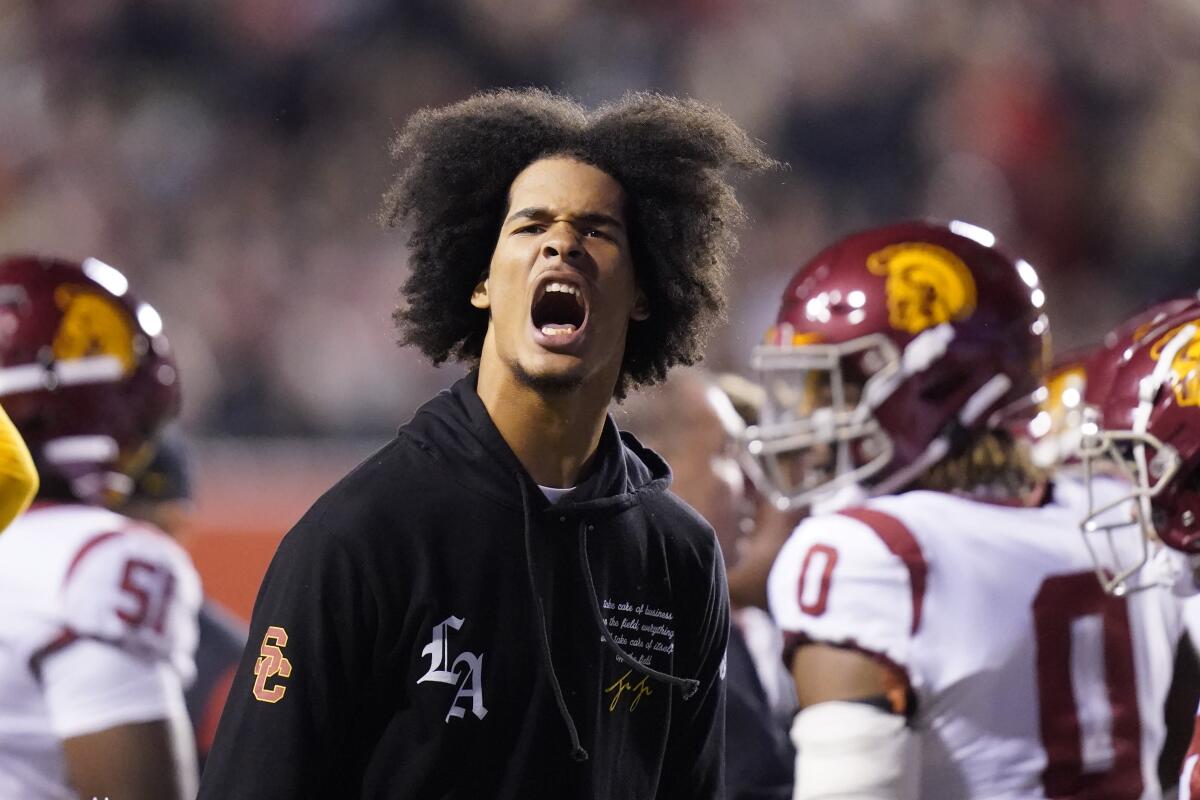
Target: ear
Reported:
point(641, 307)
point(479, 297)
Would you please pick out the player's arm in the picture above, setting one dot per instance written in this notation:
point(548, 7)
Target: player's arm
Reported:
point(18, 477)
point(846, 603)
point(300, 698)
point(694, 765)
point(851, 735)
point(126, 761)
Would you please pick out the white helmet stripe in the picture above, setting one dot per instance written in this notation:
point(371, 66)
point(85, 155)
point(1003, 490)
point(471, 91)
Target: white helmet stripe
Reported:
point(927, 347)
point(1148, 389)
point(81, 449)
point(1147, 392)
point(984, 398)
point(25, 378)
point(72, 372)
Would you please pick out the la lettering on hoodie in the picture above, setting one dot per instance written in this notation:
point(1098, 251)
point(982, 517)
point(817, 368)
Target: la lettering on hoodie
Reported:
point(435, 628)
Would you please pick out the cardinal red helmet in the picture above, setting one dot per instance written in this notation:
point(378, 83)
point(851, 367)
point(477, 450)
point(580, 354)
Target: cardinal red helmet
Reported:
point(86, 372)
point(888, 345)
point(1054, 431)
point(1142, 423)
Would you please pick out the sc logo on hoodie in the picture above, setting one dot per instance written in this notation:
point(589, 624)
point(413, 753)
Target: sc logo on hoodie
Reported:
point(271, 663)
point(466, 672)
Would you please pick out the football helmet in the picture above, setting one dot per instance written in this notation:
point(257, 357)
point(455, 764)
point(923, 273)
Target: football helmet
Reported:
point(1141, 424)
point(86, 373)
point(889, 345)
point(1054, 431)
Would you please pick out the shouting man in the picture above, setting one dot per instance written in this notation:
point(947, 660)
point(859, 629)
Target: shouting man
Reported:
point(505, 602)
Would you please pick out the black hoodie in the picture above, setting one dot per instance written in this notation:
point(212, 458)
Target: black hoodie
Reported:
point(435, 628)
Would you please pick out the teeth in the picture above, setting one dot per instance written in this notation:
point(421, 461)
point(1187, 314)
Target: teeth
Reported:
point(558, 330)
point(565, 288)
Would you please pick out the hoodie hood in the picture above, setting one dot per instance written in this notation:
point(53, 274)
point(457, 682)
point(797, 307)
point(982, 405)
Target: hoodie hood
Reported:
point(455, 428)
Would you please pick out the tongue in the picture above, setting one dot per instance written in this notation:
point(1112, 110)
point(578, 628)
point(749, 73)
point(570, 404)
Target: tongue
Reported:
point(554, 329)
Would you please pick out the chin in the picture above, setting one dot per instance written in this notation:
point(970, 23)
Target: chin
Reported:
point(550, 380)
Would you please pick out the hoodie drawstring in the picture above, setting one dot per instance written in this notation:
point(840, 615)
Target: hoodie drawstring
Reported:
point(688, 686)
point(577, 751)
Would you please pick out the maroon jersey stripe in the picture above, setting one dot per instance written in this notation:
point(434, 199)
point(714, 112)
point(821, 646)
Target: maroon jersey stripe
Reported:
point(903, 545)
point(87, 547)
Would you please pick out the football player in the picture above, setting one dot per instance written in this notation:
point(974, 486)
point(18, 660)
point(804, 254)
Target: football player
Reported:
point(1056, 435)
point(948, 637)
point(1142, 423)
point(97, 611)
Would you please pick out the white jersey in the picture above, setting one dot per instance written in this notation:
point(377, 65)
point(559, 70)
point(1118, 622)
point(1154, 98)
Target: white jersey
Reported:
point(72, 576)
point(1030, 681)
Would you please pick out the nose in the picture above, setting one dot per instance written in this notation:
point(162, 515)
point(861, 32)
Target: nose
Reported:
point(562, 242)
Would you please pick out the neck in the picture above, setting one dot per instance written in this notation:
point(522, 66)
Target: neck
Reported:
point(554, 435)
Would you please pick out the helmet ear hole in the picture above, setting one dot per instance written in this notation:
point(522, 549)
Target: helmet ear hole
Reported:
point(1190, 482)
point(1160, 518)
point(942, 384)
point(937, 390)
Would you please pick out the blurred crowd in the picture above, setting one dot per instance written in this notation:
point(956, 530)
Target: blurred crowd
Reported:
point(230, 155)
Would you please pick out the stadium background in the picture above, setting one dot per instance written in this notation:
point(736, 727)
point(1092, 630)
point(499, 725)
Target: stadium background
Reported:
point(229, 156)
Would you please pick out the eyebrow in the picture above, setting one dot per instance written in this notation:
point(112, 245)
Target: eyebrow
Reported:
point(590, 218)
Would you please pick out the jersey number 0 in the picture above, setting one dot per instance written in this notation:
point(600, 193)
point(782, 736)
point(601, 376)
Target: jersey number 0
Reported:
point(1087, 691)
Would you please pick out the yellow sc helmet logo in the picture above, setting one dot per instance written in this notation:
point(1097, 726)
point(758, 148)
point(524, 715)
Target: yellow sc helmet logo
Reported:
point(92, 325)
point(926, 285)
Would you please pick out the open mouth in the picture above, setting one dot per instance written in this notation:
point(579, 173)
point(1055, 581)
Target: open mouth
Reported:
point(559, 310)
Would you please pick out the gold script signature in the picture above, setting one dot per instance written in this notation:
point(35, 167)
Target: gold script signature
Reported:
point(622, 685)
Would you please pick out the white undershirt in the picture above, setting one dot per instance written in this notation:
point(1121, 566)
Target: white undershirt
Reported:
point(553, 494)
